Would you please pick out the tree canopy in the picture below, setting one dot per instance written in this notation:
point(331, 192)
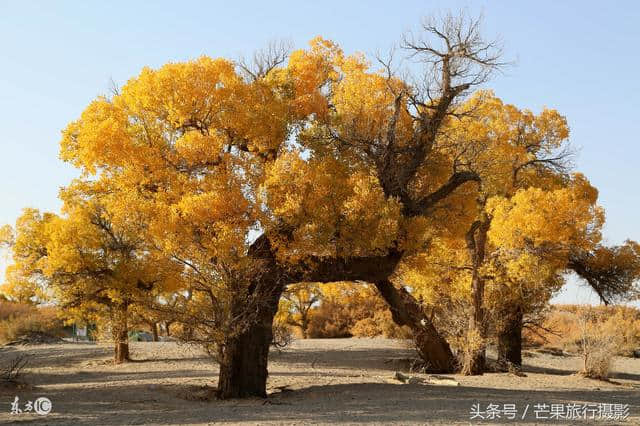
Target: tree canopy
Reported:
point(220, 183)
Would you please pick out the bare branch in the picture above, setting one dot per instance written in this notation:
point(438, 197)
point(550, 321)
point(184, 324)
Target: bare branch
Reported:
point(264, 60)
point(456, 54)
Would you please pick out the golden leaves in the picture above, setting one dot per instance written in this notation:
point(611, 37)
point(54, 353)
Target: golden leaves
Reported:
point(330, 209)
point(193, 158)
point(187, 94)
point(539, 219)
point(98, 138)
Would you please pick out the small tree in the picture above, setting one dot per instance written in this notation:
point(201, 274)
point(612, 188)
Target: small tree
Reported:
point(90, 260)
point(296, 305)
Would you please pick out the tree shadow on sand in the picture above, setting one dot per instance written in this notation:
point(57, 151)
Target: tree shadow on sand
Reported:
point(353, 403)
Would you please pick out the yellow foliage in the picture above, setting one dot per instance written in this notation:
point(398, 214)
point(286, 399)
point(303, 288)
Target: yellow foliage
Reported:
point(553, 220)
point(190, 161)
point(564, 327)
point(330, 208)
point(352, 309)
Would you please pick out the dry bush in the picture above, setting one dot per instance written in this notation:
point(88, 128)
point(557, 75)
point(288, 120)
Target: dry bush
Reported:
point(598, 345)
point(11, 371)
point(469, 346)
point(29, 324)
point(282, 335)
point(451, 318)
point(562, 328)
point(331, 320)
point(625, 324)
point(10, 310)
point(352, 309)
point(559, 330)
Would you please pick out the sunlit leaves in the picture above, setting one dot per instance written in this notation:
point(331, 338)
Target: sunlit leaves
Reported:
point(329, 208)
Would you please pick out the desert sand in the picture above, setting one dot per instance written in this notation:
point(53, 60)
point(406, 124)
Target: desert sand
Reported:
point(316, 381)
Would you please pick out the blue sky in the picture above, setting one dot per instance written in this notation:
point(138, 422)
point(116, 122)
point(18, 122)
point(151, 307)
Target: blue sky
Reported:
point(579, 57)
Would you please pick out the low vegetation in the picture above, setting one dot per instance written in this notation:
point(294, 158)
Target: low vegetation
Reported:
point(568, 327)
point(23, 323)
point(11, 371)
point(342, 309)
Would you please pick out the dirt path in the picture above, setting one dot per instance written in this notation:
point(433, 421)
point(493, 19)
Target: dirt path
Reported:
point(327, 381)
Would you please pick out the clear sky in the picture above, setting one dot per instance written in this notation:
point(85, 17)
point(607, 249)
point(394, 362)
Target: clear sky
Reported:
point(580, 57)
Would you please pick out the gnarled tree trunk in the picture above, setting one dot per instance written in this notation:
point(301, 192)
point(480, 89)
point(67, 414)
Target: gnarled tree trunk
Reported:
point(510, 340)
point(244, 356)
point(475, 355)
point(243, 360)
point(405, 310)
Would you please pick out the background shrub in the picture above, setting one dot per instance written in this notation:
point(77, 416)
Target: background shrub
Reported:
point(563, 327)
point(22, 322)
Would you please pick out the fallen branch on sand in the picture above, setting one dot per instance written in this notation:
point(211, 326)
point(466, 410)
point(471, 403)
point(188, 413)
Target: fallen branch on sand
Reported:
point(429, 380)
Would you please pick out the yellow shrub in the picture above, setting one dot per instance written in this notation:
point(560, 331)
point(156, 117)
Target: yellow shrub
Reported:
point(352, 309)
point(13, 309)
point(565, 331)
point(25, 321)
point(381, 324)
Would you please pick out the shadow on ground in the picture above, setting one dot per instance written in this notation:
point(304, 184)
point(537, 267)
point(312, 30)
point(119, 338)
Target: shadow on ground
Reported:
point(108, 395)
point(353, 403)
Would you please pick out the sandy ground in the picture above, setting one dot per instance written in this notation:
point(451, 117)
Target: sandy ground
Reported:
point(328, 381)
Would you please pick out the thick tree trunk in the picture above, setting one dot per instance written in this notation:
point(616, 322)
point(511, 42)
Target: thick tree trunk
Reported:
point(121, 352)
point(510, 340)
point(406, 310)
point(243, 358)
point(121, 335)
point(243, 362)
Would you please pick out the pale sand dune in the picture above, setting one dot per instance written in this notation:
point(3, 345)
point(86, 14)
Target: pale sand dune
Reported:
point(331, 381)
